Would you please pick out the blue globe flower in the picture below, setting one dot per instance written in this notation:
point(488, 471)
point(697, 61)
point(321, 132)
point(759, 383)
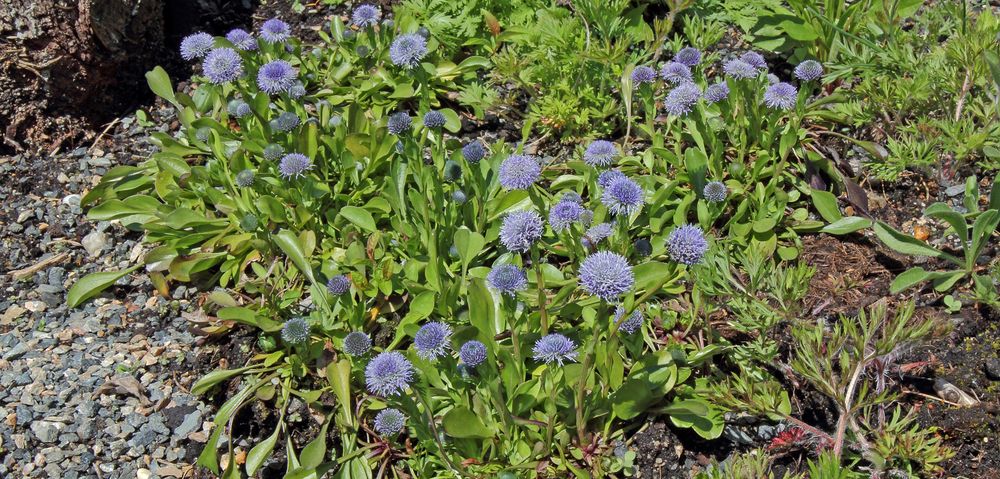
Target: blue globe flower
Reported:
point(597, 233)
point(244, 179)
point(238, 108)
point(286, 121)
point(809, 70)
point(275, 31)
point(295, 331)
point(222, 65)
point(622, 197)
point(676, 73)
point(407, 50)
point(628, 325)
point(754, 59)
point(606, 177)
point(458, 196)
point(554, 348)
point(739, 70)
point(715, 191)
point(473, 152)
point(273, 152)
point(606, 275)
point(431, 340)
point(388, 374)
point(781, 96)
point(398, 122)
point(643, 75)
point(294, 165)
point(366, 16)
point(680, 100)
point(276, 77)
point(717, 92)
point(298, 90)
point(689, 56)
point(600, 153)
point(564, 214)
point(520, 230)
point(388, 422)
point(434, 119)
point(519, 172)
point(338, 285)
point(196, 45)
point(643, 247)
point(472, 353)
point(452, 171)
point(507, 279)
point(357, 343)
point(687, 244)
point(242, 39)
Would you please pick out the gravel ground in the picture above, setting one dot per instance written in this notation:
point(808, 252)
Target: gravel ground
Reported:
point(100, 390)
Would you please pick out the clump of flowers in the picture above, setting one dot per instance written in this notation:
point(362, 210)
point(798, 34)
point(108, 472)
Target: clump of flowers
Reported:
point(244, 179)
point(294, 165)
point(407, 50)
point(238, 108)
point(222, 65)
point(717, 92)
point(520, 229)
point(809, 70)
point(398, 122)
point(431, 340)
point(507, 279)
point(600, 153)
point(715, 191)
point(754, 59)
point(196, 45)
point(338, 285)
point(606, 275)
point(554, 348)
point(606, 177)
point(275, 77)
point(434, 119)
point(688, 56)
point(676, 73)
point(473, 152)
point(366, 16)
point(622, 197)
point(388, 422)
point(687, 244)
point(472, 353)
point(597, 233)
point(357, 343)
point(519, 172)
point(295, 331)
point(242, 39)
point(739, 70)
point(643, 75)
point(388, 374)
point(286, 121)
point(275, 31)
point(680, 100)
point(564, 213)
point(780, 96)
point(628, 325)
point(458, 196)
point(273, 152)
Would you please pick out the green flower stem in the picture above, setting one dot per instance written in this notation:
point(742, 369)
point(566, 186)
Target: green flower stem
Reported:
point(588, 360)
point(542, 298)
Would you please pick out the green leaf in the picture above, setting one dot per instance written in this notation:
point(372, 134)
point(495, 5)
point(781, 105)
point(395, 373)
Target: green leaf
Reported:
point(993, 61)
point(469, 244)
point(995, 194)
point(982, 230)
point(909, 245)
point(92, 284)
point(290, 244)
point(259, 453)
point(205, 383)
point(847, 224)
point(943, 212)
point(360, 217)
point(159, 82)
point(631, 399)
point(908, 278)
point(826, 205)
point(339, 375)
point(461, 422)
point(698, 415)
point(314, 452)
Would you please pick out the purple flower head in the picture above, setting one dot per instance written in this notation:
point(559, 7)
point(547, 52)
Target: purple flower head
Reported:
point(196, 45)
point(680, 100)
point(472, 353)
point(606, 275)
point(715, 192)
point(597, 233)
point(357, 343)
point(276, 77)
point(298, 90)
point(739, 69)
point(388, 422)
point(398, 122)
point(554, 348)
point(781, 96)
point(244, 179)
point(676, 73)
point(622, 197)
point(689, 56)
point(628, 325)
point(294, 165)
point(643, 74)
point(275, 31)
point(717, 92)
point(564, 213)
point(809, 70)
point(295, 331)
point(238, 108)
point(473, 152)
point(222, 65)
point(434, 119)
point(606, 177)
point(407, 50)
point(507, 279)
point(571, 197)
point(286, 121)
point(520, 229)
point(458, 196)
point(366, 16)
point(754, 59)
point(519, 172)
point(452, 171)
point(242, 39)
point(388, 374)
point(273, 152)
point(600, 153)
point(338, 285)
point(431, 340)
point(687, 244)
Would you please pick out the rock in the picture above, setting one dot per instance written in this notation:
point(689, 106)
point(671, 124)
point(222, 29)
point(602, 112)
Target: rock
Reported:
point(17, 351)
point(46, 431)
point(191, 422)
point(35, 306)
point(992, 368)
point(955, 190)
point(142, 473)
point(94, 243)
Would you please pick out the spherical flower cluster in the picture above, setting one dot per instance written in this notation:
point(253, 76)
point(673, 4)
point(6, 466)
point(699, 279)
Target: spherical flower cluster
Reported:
point(431, 340)
point(772, 79)
point(238, 108)
point(398, 122)
point(286, 121)
point(452, 171)
point(717, 92)
point(643, 247)
point(754, 59)
point(298, 90)
point(600, 153)
point(294, 165)
point(244, 179)
point(554, 348)
point(458, 196)
point(564, 213)
point(519, 172)
point(275, 31)
point(222, 65)
point(643, 74)
point(196, 45)
point(472, 353)
point(338, 285)
point(622, 197)
point(357, 343)
point(715, 191)
point(366, 16)
point(242, 39)
point(407, 50)
point(276, 77)
point(628, 325)
point(473, 152)
point(780, 96)
point(680, 100)
point(520, 230)
point(388, 374)
point(689, 56)
point(606, 177)
point(434, 119)
point(507, 279)
point(273, 152)
point(606, 275)
point(295, 331)
point(597, 233)
point(739, 69)
point(676, 73)
point(388, 422)
point(809, 70)
point(687, 244)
